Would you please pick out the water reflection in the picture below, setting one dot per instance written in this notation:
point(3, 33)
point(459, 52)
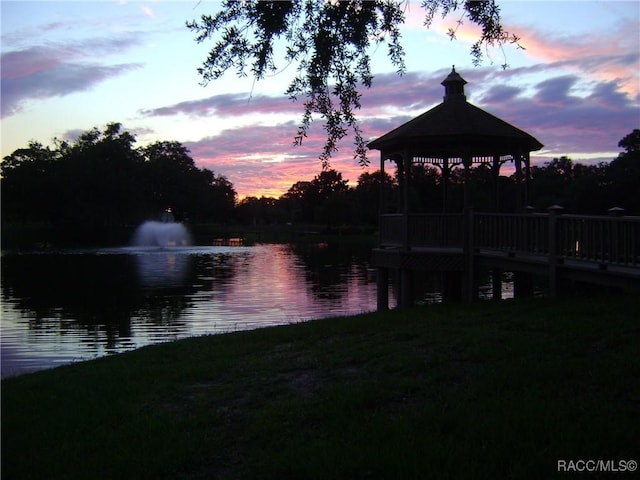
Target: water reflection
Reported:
point(74, 305)
point(162, 268)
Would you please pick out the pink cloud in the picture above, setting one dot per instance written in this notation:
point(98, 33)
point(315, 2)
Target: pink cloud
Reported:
point(55, 70)
point(617, 55)
point(263, 160)
point(24, 63)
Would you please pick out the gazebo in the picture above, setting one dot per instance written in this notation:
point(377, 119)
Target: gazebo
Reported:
point(451, 134)
point(456, 132)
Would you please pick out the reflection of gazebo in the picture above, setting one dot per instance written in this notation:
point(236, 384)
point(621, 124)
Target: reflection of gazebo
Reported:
point(454, 133)
point(451, 134)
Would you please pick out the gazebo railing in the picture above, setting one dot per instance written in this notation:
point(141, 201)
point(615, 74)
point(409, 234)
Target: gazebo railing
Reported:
point(602, 239)
point(391, 229)
point(437, 230)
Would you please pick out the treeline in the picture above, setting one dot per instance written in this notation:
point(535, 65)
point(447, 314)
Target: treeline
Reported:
point(591, 189)
point(101, 181)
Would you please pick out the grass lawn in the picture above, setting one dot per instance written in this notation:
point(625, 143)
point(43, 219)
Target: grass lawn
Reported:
point(490, 390)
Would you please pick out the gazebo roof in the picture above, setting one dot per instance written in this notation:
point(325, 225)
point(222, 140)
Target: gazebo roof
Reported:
point(456, 124)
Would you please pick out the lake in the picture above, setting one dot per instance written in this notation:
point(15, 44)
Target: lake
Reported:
point(72, 305)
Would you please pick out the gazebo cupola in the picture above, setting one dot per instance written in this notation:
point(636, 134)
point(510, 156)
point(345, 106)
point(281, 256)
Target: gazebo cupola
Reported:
point(454, 86)
point(456, 132)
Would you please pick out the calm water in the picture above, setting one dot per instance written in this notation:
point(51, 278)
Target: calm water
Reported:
point(76, 305)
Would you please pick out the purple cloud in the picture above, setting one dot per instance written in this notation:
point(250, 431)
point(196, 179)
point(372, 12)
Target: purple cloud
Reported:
point(60, 80)
point(567, 123)
point(228, 104)
point(411, 91)
point(555, 91)
point(563, 118)
point(41, 72)
point(502, 94)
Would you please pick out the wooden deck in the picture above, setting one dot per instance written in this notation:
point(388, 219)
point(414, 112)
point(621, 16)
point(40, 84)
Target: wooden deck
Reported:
point(599, 250)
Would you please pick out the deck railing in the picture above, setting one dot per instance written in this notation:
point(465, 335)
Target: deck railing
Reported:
point(528, 233)
point(614, 240)
point(603, 239)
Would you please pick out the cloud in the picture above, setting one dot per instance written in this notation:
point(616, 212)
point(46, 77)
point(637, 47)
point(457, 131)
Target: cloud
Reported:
point(613, 57)
point(228, 104)
point(555, 91)
point(568, 113)
point(147, 11)
point(412, 91)
point(566, 119)
point(55, 80)
point(41, 72)
point(263, 158)
point(502, 94)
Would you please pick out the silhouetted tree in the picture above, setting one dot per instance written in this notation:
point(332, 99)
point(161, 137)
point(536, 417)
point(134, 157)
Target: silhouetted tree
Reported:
point(586, 191)
point(623, 175)
point(631, 142)
point(28, 184)
point(328, 193)
point(322, 200)
point(425, 189)
point(260, 211)
point(192, 193)
point(330, 44)
point(329, 183)
point(98, 176)
point(372, 191)
point(220, 198)
point(549, 183)
point(297, 202)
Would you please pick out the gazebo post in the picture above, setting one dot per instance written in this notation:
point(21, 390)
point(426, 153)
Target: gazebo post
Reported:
point(527, 179)
point(401, 178)
point(382, 273)
point(496, 181)
point(406, 161)
point(467, 246)
point(382, 201)
point(518, 164)
point(406, 277)
point(382, 289)
point(445, 183)
point(466, 162)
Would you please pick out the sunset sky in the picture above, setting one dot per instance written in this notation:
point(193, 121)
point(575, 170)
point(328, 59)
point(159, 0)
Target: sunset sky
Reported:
point(70, 66)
